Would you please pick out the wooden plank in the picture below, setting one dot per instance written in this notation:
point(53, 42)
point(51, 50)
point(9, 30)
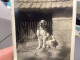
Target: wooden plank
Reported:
point(38, 5)
point(48, 23)
point(35, 26)
point(69, 3)
point(25, 24)
point(28, 5)
point(49, 0)
point(43, 5)
point(48, 5)
point(18, 5)
point(23, 5)
point(54, 0)
point(30, 31)
point(30, 0)
point(35, 0)
point(58, 4)
point(39, 0)
point(64, 4)
point(25, 0)
point(27, 28)
point(33, 5)
point(62, 18)
point(54, 4)
point(44, 0)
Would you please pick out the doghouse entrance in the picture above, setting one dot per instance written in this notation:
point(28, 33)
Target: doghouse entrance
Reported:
point(26, 23)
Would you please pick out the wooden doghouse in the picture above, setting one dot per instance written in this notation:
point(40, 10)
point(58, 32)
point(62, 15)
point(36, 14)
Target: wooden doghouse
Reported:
point(57, 13)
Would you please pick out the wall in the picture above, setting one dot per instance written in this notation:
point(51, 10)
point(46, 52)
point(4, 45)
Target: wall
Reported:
point(62, 25)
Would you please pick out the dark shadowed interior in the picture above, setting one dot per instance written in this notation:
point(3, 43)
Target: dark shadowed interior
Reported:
point(27, 21)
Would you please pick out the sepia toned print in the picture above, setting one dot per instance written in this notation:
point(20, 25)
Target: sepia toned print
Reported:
point(43, 29)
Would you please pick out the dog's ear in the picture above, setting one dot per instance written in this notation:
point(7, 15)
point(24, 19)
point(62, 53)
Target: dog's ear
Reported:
point(56, 43)
point(38, 25)
point(45, 23)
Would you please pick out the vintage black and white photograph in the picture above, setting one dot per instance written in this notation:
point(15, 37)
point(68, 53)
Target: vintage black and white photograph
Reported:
point(43, 29)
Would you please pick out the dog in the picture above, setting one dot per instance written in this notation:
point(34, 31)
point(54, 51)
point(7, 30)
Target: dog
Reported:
point(51, 43)
point(42, 34)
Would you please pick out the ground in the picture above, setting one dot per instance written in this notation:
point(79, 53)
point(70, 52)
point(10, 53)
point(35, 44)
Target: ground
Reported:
point(28, 51)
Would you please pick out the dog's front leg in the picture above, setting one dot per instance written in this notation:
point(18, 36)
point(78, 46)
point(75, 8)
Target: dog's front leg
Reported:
point(44, 42)
point(39, 42)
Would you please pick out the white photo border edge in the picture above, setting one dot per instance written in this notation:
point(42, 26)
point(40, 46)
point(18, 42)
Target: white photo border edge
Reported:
point(72, 37)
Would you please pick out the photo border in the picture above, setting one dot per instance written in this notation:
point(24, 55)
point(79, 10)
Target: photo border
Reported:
point(72, 37)
point(13, 31)
point(73, 30)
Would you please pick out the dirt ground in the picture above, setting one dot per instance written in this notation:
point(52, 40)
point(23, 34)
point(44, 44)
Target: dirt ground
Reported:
point(28, 51)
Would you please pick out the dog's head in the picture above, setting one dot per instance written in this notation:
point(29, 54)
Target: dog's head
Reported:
point(42, 23)
point(55, 43)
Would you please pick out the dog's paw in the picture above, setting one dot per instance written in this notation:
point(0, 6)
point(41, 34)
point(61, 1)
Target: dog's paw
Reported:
point(53, 48)
point(43, 47)
point(38, 47)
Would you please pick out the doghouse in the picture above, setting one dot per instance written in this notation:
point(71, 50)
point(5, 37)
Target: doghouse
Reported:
point(57, 13)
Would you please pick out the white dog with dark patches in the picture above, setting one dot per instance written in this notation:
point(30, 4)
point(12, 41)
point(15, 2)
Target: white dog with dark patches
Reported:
point(51, 43)
point(42, 33)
